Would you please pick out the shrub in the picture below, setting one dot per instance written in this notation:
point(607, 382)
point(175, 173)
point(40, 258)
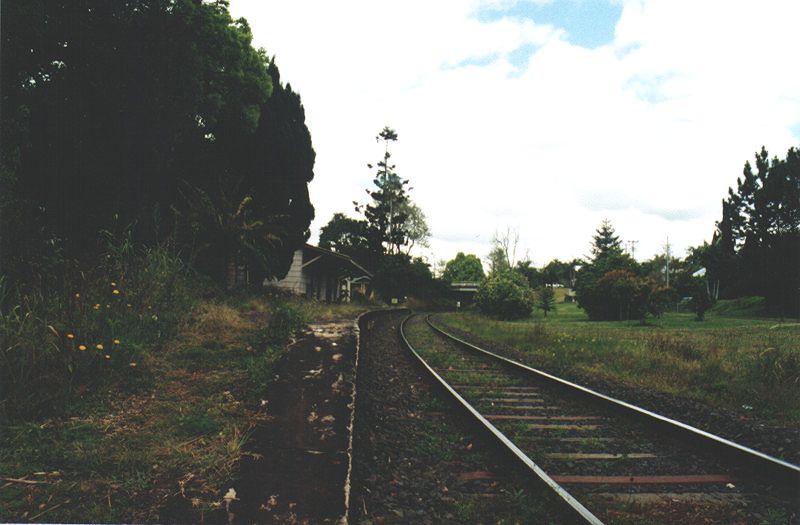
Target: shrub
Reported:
point(620, 295)
point(505, 295)
point(701, 300)
point(285, 319)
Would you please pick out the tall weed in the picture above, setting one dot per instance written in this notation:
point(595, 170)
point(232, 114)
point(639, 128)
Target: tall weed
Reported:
point(62, 338)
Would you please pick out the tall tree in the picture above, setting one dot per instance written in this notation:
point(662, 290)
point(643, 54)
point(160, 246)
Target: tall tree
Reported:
point(387, 213)
point(756, 246)
point(108, 107)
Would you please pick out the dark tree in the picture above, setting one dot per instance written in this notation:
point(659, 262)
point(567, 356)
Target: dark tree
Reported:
point(112, 109)
point(605, 242)
point(590, 289)
point(756, 246)
point(348, 236)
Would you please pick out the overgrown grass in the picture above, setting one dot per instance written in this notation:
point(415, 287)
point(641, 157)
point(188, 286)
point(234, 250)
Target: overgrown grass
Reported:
point(159, 412)
point(71, 337)
point(731, 362)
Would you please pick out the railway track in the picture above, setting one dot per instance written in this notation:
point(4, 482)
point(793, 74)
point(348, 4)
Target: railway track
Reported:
point(607, 461)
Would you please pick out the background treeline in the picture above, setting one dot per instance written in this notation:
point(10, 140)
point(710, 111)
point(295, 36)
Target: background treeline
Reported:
point(152, 113)
point(755, 251)
point(147, 151)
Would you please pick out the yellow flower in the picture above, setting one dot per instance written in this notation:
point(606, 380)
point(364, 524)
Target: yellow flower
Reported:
point(133, 364)
point(70, 336)
point(108, 306)
point(115, 292)
point(108, 356)
point(81, 347)
point(113, 284)
point(77, 296)
point(97, 306)
point(116, 341)
point(99, 346)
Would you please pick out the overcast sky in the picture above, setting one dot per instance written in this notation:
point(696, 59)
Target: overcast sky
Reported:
point(544, 116)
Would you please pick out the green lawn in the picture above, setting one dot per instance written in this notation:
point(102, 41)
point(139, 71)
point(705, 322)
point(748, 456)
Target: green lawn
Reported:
point(725, 361)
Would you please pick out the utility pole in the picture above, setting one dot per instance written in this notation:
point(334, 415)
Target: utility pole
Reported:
point(632, 248)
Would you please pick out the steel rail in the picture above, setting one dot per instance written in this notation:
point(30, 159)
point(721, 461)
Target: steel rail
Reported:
point(572, 504)
point(768, 465)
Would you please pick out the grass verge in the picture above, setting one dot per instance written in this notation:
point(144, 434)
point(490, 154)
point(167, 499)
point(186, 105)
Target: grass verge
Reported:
point(738, 363)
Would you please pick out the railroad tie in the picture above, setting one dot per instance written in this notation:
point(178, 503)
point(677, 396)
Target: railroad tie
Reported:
point(689, 479)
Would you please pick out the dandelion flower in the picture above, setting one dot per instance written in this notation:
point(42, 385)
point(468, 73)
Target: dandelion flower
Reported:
point(115, 292)
point(133, 364)
point(97, 306)
point(99, 346)
point(70, 336)
point(81, 347)
point(108, 306)
point(77, 296)
point(108, 356)
point(113, 284)
point(116, 341)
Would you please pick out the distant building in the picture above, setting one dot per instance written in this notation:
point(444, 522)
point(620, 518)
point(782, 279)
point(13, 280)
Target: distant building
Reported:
point(324, 275)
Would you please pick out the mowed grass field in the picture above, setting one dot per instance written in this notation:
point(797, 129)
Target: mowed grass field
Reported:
point(730, 360)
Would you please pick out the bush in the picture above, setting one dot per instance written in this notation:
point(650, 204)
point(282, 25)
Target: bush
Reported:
point(505, 295)
point(701, 300)
point(284, 320)
point(620, 295)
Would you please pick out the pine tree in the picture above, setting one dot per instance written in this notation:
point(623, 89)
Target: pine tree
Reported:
point(547, 299)
point(605, 242)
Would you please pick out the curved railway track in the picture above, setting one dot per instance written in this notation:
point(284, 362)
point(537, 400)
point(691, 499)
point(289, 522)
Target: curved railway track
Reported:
point(605, 458)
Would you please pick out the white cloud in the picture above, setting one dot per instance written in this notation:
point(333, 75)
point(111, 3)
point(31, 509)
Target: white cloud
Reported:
point(648, 131)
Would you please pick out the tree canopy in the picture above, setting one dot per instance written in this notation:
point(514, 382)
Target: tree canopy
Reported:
point(756, 245)
point(463, 267)
point(111, 110)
